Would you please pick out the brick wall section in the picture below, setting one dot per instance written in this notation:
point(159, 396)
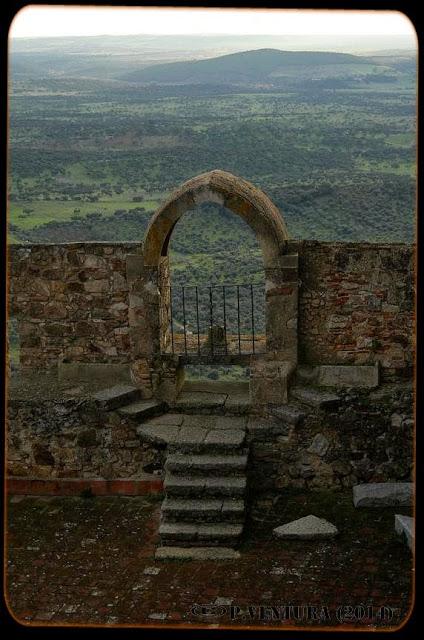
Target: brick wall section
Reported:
point(71, 301)
point(356, 303)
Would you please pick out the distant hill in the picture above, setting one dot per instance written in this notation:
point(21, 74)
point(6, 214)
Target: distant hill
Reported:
point(264, 66)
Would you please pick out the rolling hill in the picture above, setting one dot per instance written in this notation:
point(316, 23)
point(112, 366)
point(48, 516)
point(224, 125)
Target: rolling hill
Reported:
point(261, 66)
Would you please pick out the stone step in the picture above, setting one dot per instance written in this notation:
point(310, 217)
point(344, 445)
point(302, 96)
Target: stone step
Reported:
point(199, 486)
point(142, 409)
point(181, 439)
point(213, 441)
point(288, 413)
point(222, 510)
point(200, 534)
point(199, 402)
point(315, 398)
point(404, 526)
point(117, 396)
point(224, 464)
point(196, 553)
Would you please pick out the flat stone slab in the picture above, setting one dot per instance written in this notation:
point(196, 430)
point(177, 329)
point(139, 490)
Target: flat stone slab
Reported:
point(404, 526)
point(307, 528)
point(175, 419)
point(203, 464)
point(117, 396)
point(314, 397)
point(196, 553)
point(211, 531)
point(288, 414)
point(203, 510)
point(383, 494)
point(142, 409)
point(199, 399)
point(158, 433)
point(225, 438)
point(355, 376)
point(200, 486)
point(214, 422)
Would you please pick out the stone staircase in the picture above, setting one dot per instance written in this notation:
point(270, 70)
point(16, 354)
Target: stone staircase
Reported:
point(204, 509)
point(127, 401)
point(203, 513)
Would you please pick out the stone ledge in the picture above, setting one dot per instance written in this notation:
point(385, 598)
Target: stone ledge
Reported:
point(149, 484)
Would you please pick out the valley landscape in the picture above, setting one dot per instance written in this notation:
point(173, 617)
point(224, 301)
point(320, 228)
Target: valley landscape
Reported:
point(102, 129)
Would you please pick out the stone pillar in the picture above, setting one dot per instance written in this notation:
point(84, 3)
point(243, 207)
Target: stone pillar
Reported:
point(271, 372)
point(164, 283)
point(143, 318)
point(281, 309)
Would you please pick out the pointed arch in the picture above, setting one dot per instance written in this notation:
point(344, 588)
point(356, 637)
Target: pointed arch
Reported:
point(223, 188)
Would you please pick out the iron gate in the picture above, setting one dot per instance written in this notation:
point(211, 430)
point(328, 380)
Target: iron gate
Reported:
point(216, 321)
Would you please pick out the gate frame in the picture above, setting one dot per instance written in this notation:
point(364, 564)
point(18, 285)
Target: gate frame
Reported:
point(161, 375)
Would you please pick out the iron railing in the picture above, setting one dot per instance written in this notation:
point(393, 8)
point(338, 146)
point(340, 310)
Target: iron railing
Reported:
point(215, 319)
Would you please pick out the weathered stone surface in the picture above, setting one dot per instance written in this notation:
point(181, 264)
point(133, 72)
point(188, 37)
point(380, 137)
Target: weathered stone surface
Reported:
point(319, 445)
point(263, 429)
point(142, 409)
point(306, 528)
point(194, 553)
point(269, 382)
point(117, 396)
point(206, 464)
point(288, 413)
point(383, 494)
point(348, 376)
point(203, 510)
point(404, 526)
point(314, 397)
point(228, 486)
point(194, 401)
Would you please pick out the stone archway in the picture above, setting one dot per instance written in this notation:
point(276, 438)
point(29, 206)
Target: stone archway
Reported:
point(148, 277)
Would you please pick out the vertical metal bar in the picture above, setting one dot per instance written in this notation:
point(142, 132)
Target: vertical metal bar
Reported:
point(172, 318)
point(253, 319)
point(184, 322)
point(238, 317)
point(197, 317)
point(225, 320)
point(211, 316)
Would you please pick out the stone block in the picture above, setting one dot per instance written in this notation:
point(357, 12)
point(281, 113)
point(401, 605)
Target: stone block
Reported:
point(307, 528)
point(383, 494)
point(348, 376)
point(269, 382)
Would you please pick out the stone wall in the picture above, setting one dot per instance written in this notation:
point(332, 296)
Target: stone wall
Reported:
point(369, 438)
point(72, 438)
point(356, 304)
point(71, 301)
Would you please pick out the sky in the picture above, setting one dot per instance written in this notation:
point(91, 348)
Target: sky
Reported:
point(48, 21)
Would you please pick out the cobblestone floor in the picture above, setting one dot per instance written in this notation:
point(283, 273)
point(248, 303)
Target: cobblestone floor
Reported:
point(91, 561)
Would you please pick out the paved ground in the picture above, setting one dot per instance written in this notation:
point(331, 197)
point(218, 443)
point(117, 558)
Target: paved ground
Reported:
point(91, 560)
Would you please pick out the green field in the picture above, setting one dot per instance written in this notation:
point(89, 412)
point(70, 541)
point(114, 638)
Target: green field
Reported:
point(331, 139)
